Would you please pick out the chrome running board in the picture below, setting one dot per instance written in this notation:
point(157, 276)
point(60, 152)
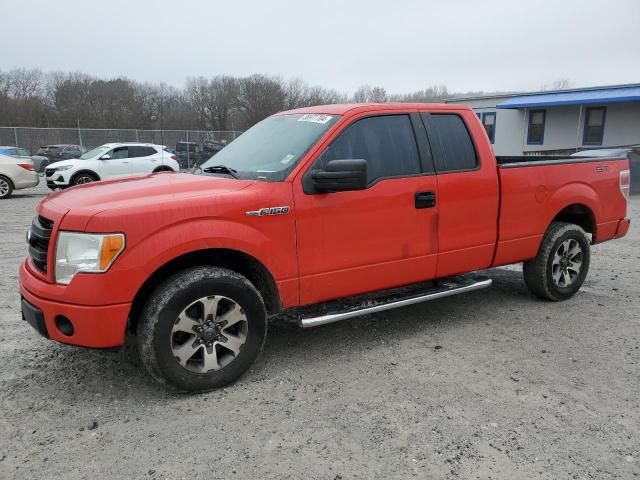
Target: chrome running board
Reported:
point(442, 289)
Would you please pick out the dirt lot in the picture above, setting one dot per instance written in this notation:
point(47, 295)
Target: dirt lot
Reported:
point(493, 384)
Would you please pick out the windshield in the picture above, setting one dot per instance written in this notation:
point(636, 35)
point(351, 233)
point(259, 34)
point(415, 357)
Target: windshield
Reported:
point(272, 147)
point(96, 152)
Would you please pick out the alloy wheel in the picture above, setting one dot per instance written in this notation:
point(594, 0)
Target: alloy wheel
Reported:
point(4, 187)
point(567, 262)
point(209, 334)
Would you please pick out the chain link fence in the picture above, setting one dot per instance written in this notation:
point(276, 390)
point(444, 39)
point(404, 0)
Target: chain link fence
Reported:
point(33, 138)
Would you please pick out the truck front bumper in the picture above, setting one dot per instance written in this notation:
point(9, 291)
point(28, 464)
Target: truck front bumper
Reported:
point(92, 326)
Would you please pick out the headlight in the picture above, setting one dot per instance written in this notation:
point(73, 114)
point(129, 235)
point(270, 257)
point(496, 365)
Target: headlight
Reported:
point(59, 169)
point(85, 252)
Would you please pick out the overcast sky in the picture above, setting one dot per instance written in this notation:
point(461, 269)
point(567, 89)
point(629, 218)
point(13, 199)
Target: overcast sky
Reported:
point(400, 45)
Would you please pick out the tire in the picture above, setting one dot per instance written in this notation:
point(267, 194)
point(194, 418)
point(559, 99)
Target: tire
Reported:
point(562, 263)
point(6, 187)
point(163, 169)
point(175, 353)
point(82, 178)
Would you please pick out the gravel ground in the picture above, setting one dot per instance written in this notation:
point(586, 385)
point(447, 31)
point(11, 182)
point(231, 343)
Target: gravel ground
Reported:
point(493, 384)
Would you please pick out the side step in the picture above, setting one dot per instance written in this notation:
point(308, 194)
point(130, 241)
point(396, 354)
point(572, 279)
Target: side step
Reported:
point(400, 298)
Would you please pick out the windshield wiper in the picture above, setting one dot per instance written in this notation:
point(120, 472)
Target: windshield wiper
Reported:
point(221, 169)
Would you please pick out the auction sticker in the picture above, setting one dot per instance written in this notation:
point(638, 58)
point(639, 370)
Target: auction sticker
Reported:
point(315, 118)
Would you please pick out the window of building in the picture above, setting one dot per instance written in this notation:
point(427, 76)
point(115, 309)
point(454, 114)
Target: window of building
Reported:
point(452, 143)
point(387, 143)
point(489, 122)
point(594, 126)
point(535, 135)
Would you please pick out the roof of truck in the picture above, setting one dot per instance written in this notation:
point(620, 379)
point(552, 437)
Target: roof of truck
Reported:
point(342, 108)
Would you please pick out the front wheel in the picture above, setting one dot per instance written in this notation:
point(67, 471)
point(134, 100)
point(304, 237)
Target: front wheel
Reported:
point(562, 263)
point(202, 329)
point(82, 178)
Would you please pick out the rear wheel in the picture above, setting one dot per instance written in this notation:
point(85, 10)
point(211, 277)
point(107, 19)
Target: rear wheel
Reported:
point(562, 263)
point(82, 178)
point(202, 329)
point(6, 187)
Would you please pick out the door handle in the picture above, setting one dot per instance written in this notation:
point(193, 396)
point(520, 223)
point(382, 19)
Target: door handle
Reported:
point(425, 199)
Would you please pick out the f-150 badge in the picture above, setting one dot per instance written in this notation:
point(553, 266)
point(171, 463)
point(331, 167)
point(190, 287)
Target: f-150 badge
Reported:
point(268, 211)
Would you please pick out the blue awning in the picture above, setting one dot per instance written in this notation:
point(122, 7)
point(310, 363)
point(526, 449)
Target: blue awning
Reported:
point(576, 97)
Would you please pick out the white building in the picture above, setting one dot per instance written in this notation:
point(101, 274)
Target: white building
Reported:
point(560, 122)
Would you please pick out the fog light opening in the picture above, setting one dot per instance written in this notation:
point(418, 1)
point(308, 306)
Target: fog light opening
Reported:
point(64, 325)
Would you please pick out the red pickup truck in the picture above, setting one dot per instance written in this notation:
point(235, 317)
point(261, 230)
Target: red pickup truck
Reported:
point(319, 214)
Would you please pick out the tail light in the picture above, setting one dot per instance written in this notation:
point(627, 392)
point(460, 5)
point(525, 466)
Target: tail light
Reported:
point(174, 157)
point(625, 183)
point(26, 166)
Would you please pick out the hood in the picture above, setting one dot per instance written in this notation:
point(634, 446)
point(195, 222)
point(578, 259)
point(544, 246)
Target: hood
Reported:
point(154, 189)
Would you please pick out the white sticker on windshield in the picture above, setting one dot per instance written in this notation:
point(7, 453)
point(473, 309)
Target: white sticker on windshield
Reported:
point(287, 158)
point(315, 118)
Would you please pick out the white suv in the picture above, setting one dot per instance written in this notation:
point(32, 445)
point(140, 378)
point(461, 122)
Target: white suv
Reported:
point(110, 160)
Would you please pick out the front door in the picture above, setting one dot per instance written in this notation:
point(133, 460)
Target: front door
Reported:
point(117, 165)
point(385, 236)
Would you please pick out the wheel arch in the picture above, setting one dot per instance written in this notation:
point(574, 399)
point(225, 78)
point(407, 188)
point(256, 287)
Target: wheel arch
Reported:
point(577, 203)
point(84, 170)
point(163, 168)
point(240, 262)
point(578, 214)
point(8, 178)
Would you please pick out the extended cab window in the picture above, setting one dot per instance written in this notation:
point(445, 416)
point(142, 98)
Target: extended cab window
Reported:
point(387, 143)
point(451, 142)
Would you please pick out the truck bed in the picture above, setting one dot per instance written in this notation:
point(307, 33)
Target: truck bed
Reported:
point(536, 190)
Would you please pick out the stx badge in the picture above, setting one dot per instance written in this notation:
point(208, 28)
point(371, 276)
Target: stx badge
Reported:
point(268, 211)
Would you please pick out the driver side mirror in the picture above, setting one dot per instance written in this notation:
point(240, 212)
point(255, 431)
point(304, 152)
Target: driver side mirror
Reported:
point(338, 176)
point(105, 157)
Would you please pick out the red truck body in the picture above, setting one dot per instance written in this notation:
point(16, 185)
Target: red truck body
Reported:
point(327, 246)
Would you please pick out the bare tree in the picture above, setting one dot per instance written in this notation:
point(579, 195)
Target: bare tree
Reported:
point(369, 94)
point(433, 93)
point(561, 84)
point(258, 97)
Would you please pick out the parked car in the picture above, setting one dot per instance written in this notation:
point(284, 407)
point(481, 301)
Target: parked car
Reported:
point(15, 152)
point(188, 154)
point(369, 203)
point(110, 160)
point(39, 162)
point(16, 174)
point(211, 147)
point(59, 152)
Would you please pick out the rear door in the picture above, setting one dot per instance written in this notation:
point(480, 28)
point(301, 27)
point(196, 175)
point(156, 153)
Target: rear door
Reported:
point(143, 159)
point(385, 236)
point(468, 192)
point(116, 166)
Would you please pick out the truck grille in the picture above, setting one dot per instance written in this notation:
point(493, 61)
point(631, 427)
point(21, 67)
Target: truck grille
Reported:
point(38, 239)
